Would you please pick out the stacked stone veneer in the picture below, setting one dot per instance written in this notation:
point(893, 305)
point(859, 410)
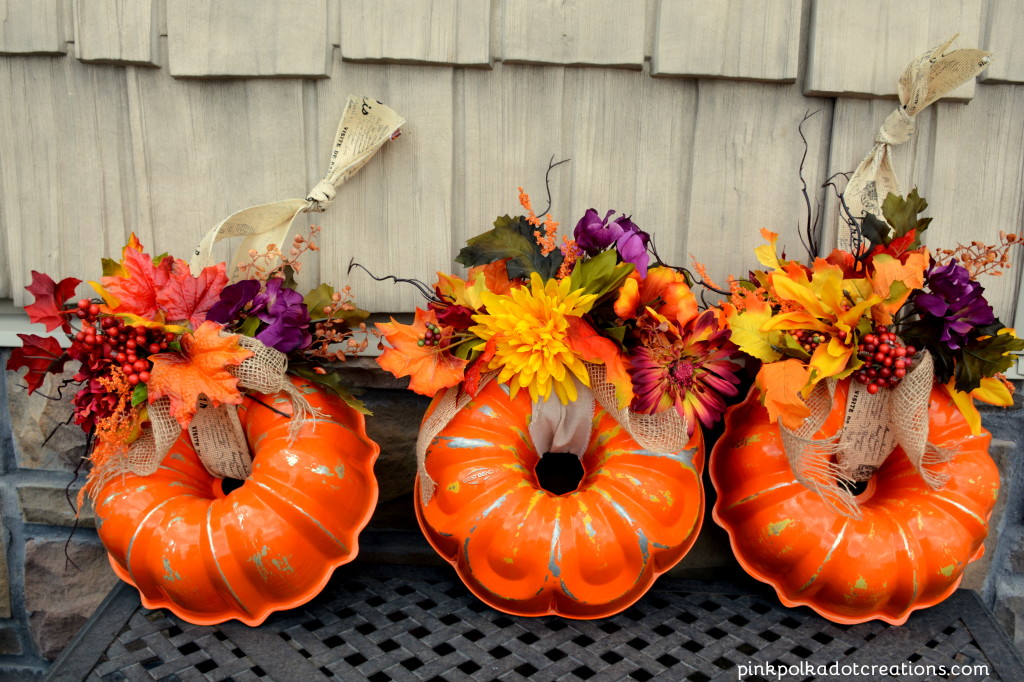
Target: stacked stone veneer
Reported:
point(55, 575)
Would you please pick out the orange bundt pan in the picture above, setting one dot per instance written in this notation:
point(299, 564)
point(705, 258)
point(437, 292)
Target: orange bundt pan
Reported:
point(585, 554)
point(268, 545)
point(907, 552)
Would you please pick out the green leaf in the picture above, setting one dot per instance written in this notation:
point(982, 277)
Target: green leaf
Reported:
point(511, 238)
point(874, 230)
point(318, 299)
point(174, 345)
point(249, 326)
point(600, 275)
point(617, 334)
point(901, 214)
point(984, 358)
point(331, 382)
point(791, 347)
point(111, 267)
point(140, 394)
point(289, 276)
point(158, 259)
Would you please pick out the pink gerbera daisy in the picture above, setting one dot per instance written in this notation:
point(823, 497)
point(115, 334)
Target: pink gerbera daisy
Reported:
point(689, 368)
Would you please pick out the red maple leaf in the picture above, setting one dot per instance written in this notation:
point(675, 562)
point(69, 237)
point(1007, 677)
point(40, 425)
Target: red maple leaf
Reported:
point(41, 354)
point(50, 299)
point(592, 347)
point(137, 290)
point(185, 297)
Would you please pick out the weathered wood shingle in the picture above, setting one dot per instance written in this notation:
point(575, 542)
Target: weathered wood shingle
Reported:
point(224, 38)
point(120, 31)
point(417, 31)
point(395, 216)
point(727, 39)
point(32, 26)
point(595, 32)
point(860, 49)
point(1004, 23)
point(977, 180)
point(67, 179)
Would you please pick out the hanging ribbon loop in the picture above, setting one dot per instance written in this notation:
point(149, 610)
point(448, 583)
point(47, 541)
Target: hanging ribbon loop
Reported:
point(364, 128)
point(926, 79)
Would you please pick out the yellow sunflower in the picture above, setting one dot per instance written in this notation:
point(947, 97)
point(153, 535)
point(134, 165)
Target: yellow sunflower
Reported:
point(528, 330)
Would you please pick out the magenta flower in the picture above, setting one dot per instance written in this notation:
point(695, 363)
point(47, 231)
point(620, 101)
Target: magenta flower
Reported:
point(957, 301)
point(691, 369)
point(594, 234)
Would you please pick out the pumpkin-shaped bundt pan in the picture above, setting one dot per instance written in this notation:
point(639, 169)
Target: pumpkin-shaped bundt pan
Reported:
point(268, 545)
point(589, 553)
point(907, 552)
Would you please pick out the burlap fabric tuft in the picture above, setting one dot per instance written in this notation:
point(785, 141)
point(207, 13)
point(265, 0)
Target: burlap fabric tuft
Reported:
point(562, 428)
point(216, 431)
point(873, 425)
point(926, 79)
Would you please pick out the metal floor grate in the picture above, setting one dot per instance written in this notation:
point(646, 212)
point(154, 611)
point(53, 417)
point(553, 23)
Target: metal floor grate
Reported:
point(382, 623)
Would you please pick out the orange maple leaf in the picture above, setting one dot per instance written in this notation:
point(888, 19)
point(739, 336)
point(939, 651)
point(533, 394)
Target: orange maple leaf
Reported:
point(430, 368)
point(782, 385)
point(200, 369)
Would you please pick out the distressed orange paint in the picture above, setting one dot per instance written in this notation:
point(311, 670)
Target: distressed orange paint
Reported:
point(585, 554)
point(907, 552)
point(268, 545)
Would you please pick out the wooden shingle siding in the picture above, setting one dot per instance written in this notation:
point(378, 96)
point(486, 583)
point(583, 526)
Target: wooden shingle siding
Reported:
point(67, 178)
point(225, 38)
point(202, 151)
point(1004, 23)
point(92, 152)
point(591, 32)
point(32, 27)
point(745, 163)
point(977, 181)
point(727, 39)
point(860, 49)
point(118, 31)
point(417, 31)
point(395, 216)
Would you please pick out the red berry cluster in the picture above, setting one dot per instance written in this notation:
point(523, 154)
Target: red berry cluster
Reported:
point(431, 337)
point(886, 360)
point(110, 339)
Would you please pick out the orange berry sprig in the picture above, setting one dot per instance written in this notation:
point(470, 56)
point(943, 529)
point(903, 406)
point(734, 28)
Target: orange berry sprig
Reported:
point(980, 258)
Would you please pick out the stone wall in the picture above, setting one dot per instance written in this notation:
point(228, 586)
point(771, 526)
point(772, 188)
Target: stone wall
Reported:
point(56, 573)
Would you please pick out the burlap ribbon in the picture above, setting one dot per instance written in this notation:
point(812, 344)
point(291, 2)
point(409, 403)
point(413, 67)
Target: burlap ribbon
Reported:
point(565, 428)
point(873, 425)
point(216, 432)
point(364, 128)
point(926, 79)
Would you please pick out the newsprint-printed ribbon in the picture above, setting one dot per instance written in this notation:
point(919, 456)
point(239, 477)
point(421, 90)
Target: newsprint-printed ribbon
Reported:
point(926, 79)
point(873, 425)
point(216, 432)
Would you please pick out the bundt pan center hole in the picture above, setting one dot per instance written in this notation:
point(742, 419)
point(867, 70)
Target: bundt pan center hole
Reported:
point(222, 487)
point(559, 473)
point(862, 491)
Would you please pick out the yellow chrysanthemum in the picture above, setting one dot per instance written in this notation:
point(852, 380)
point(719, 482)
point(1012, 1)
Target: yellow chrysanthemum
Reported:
point(530, 333)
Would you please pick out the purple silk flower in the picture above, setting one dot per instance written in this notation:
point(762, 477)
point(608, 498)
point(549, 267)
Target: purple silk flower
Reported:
point(956, 300)
point(594, 234)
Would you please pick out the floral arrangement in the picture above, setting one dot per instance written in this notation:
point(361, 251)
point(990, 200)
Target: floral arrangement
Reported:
point(156, 330)
point(540, 315)
point(867, 313)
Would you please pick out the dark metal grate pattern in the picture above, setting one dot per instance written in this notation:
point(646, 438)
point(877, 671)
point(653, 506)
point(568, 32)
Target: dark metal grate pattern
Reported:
point(421, 624)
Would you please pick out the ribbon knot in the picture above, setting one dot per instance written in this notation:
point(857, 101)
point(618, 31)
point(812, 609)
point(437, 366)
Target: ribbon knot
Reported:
point(897, 128)
point(320, 197)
